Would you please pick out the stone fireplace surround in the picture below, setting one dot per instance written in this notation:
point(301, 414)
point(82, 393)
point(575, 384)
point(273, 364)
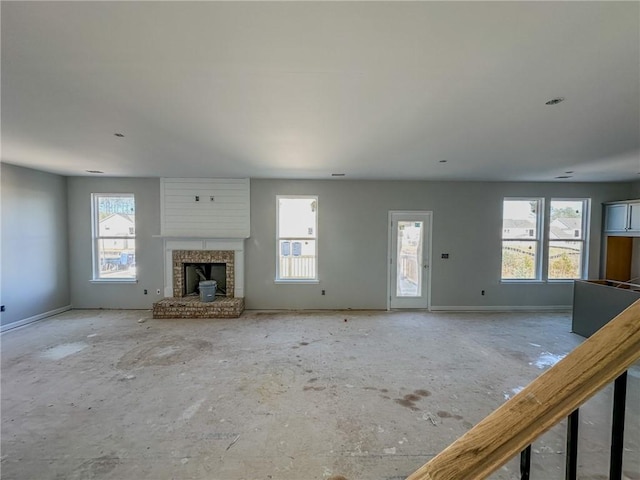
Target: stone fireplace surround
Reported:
point(180, 251)
point(180, 257)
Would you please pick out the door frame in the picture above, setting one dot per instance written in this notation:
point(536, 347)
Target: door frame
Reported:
point(427, 250)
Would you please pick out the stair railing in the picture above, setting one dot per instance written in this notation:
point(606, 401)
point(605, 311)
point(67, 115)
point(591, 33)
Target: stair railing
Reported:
point(554, 395)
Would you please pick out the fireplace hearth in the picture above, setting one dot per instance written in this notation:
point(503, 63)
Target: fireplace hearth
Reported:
point(189, 267)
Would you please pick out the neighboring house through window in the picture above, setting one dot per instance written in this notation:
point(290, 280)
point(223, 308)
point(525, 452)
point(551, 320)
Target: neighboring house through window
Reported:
point(521, 220)
point(523, 243)
point(297, 238)
point(114, 239)
point(567, 226)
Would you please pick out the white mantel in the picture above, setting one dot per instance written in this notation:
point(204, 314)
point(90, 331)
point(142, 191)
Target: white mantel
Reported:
point(194, 243)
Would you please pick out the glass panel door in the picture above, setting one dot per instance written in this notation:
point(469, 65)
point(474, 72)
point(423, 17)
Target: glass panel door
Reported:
point(409, 254)
point(409, 259)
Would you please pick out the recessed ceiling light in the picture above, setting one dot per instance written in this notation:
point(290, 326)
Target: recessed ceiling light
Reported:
point(564, 176)
point(338, 174)
point(442, 161)
point(94, 171)
point(569, 171)
point(117, 134)
point(554, 101)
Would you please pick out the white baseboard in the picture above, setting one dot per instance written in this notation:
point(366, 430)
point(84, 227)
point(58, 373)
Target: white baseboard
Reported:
point(502, 308)
point(35, 318)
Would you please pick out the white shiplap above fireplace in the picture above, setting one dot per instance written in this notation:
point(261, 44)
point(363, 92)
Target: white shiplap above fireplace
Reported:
point(204, 214)
point(205, 207)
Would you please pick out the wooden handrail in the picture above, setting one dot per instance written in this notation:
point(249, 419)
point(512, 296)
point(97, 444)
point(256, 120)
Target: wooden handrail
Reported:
point(542, 404)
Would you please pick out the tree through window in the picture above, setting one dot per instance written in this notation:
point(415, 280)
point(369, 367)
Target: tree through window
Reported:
point(521, 220)
point(114, 238)
point(566, 239)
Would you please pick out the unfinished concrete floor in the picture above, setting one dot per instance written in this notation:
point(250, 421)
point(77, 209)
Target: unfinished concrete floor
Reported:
point(272, 395)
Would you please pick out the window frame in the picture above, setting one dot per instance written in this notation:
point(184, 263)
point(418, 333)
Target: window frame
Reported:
point(538, 239)
point(584, 239)
point(278, 238)
point(96, 238)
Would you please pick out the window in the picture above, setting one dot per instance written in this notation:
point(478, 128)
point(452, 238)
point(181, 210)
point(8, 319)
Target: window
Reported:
point(521, 220)
point(567, 222)
point(114, 240)
point(564, 242)
point(297, 242)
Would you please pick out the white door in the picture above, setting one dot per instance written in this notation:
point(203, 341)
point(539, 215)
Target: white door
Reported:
point(409, 259)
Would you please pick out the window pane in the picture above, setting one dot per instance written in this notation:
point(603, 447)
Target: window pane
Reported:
point(297, 217)
point(115, 250)
point(565, 260)
point(117, 258)
point(519, 260)
point(519, 219)
point(566, 220)
point(408, 274)
point(297, 259)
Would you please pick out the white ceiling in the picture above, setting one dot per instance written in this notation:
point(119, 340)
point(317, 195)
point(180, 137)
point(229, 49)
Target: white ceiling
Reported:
point(374, 90)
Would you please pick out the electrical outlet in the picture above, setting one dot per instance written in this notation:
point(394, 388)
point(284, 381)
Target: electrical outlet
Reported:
point(482, 292)
point(158, 291)
point(145, 291)
point(323, 293)
point(445, 255)
point(1, 308)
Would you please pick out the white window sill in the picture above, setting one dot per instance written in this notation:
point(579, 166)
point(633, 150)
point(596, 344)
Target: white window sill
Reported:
point(523, 281)
point(114, 280)
point(297, 282)
point(535, 282)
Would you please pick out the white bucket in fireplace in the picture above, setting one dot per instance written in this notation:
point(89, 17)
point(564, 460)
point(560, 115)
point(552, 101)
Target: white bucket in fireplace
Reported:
point(208, 290)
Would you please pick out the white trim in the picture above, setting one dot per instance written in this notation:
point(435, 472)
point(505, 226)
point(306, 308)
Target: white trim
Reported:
point(114, 280)
point(163, 227)
point(293, 281)
point(539, 239)
point(502, 308)
point(95, 232)
point(516, 281)
point(585, 238)
point(429, 252)
point(35, 318)
point(315, 239)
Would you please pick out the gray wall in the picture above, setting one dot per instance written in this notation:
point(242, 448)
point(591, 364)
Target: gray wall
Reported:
point(352, 245)
point(353, 234)
point(35, 274)
point(149, 257)
point(635, 190)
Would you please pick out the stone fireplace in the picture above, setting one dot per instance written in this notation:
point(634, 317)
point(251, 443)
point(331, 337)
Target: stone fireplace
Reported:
point(181, 259)
point(208, 257)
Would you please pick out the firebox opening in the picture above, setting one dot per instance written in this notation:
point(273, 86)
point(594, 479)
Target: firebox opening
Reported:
point(194, 273)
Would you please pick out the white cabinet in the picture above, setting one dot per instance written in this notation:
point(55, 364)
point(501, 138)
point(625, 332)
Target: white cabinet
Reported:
point(622, 217)
point(634, 217)
point(615, 216)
